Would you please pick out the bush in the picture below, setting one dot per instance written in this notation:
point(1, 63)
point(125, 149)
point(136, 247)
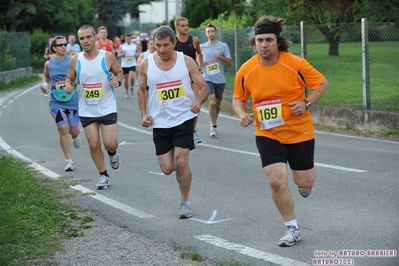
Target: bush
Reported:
point(38, 41)
point(37, 62)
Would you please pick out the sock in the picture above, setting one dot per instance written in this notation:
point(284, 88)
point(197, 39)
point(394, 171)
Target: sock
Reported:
point(111, 153)
point(292, 223)
point(215, 126)
point(104, 173)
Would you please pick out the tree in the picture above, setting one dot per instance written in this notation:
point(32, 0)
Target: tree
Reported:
point(198, 11)
point(329, 16)
point(377, 11)
point(135, 12)
point(65, 16)
point(258, 8)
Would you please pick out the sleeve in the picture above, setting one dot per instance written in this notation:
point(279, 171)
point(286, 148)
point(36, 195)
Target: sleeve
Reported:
point(240, 92)
point(226, 51)
point(309, 75)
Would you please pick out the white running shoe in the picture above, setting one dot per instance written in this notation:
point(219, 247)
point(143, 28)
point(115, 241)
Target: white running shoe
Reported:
point(184, 210)
point(103, 182)
point(114, 160)
point(69, 165)
point(292, 235)
point(76, 142)
point(214, 132)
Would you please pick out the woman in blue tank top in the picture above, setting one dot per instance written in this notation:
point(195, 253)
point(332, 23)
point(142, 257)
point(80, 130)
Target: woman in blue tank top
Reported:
point(63, 106)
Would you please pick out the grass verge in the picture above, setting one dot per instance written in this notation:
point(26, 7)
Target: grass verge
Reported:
point(35, 214)
point(19, 82)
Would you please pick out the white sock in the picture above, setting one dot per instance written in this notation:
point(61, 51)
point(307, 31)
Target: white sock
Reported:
point(292, 223)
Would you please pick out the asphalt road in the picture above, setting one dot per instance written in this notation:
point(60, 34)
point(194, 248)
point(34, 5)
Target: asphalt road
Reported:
point(352, 211)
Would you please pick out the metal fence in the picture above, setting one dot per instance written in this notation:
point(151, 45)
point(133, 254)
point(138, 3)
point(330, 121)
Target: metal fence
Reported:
point(348, 64)
point(14, 50)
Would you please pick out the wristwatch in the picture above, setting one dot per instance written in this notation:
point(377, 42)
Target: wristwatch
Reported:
point(307, 104)
point(120, 82)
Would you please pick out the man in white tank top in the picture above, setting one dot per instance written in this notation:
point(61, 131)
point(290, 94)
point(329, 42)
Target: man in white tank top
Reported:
point(170, 106)
point(129, 53)
point(92, 69)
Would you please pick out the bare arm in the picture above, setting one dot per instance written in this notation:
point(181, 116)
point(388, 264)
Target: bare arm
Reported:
point(47, 53)
point(46, 77)
point(114, 68)
point(71, 77)
point(200, 58)
point(201, 90)
point(240, 108)
point(299, 107)
point(142, 94)
point(227, 61)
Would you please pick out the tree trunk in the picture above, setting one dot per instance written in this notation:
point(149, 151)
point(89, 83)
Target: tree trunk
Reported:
point(334, 46)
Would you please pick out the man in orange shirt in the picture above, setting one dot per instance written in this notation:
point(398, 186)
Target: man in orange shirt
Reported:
point(104, 43)
point(275, 80)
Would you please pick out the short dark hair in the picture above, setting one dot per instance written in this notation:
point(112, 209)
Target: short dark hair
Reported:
point(209, 25)
point(163, 32)
point(85, 27)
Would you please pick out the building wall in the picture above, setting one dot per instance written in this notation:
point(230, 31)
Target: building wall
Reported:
point(156, 11)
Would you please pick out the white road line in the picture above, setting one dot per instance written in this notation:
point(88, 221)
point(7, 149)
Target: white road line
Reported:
point(99, 197)
point(251, 252)
point(116, 204)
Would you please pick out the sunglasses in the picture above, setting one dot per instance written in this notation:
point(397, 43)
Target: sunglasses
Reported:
point(61, 44)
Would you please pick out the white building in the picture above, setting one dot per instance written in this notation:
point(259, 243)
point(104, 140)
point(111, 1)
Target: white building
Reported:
point(160, 11)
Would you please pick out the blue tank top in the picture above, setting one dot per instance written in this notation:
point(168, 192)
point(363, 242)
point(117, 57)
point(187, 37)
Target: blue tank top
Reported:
point(58, 71)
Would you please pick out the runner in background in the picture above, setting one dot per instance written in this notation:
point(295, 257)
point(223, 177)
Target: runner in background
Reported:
point(72, 47)
point(189, 45)
point(104, 43)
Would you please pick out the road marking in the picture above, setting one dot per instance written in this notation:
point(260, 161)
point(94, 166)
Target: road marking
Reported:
point(116, 204)
point(99, 197)
point(212, 219)
point(251, 252)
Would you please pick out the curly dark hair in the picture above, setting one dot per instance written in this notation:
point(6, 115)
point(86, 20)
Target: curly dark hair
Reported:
point(274, 24)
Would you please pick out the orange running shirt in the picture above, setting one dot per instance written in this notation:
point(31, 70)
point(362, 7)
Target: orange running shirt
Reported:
point(106, 46)
point(272, 89)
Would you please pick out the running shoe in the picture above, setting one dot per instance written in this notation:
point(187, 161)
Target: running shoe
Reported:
point(114, 160)
point(214, 132)
point(305, 192)
point(69, 165)
point(103, 182)
point(292, 235)
point(127, 95)
point(184, 210)
point(196, 138)
point(76, 142)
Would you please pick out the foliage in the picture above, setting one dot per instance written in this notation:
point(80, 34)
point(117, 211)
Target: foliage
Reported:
point(19, 82)
point(20, 15)
point(227, 21)
point(258, 8)
point(377, 11)
point(198, 11)
point(38, 40)
point(135, 13)
point(14, 50)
